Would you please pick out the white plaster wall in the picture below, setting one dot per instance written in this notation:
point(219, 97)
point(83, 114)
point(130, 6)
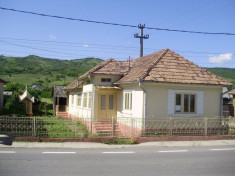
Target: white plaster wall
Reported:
point(137, 102)
point(80, 111)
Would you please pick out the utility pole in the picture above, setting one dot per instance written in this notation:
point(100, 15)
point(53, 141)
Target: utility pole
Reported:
point(141, 37)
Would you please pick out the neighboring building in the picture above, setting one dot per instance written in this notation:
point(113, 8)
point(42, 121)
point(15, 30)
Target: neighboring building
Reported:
point(2, 83)
point(160, 85)
point(28, 101)
point(59, 101)
point(232, 92)
point(227, 103)
point(37, 87)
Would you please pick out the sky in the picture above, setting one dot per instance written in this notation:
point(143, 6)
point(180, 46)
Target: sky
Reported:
point(26, 34)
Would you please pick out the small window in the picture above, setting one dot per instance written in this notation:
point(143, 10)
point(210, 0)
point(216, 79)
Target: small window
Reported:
point(90, 100)
point(105, 79)
point(85, 100)
point(79, 102)
point(128, 101)
point(185, 103)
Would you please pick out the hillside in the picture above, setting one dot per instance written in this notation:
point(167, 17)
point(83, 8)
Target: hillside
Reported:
point(47, 72)
point(225, 73)
point(43, 71)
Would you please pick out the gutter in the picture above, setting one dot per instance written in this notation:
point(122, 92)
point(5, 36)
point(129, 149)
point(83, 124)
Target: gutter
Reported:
point(92, 100)
point(145, 100)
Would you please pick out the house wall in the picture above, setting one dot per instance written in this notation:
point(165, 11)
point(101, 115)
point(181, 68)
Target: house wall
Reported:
point(161, 100)
point(1, 95)
point(76, 111)
point(97, 80)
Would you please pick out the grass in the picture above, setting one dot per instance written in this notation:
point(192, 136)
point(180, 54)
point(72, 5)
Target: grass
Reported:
point(47, 100)
point(53, 127)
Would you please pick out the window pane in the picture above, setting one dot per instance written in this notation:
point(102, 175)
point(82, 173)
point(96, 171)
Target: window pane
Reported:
point(85, 100)
point(192, 103)
point(186, 103)
point(126, 101)
point(72, 99)
point(178, 103)
point(79, 100)
point(130, 101)
point(103, 97)
point(110, 101)
point(90, 99)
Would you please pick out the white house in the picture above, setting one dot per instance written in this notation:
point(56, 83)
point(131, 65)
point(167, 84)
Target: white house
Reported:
point(160, 85)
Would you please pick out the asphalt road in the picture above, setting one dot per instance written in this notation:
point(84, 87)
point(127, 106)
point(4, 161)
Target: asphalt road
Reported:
point(118, 161)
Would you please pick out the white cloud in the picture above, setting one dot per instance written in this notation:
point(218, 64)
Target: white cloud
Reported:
point(85, 45)
point(52, 37)
point(221, 59)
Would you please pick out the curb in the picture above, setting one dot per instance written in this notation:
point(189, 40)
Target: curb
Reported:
point(136, 140)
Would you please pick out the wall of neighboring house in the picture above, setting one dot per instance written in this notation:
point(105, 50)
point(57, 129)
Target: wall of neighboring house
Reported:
point(1, 95)
point(161, 100)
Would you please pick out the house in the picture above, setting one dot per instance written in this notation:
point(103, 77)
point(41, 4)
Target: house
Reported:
point(232, 92)
point(28, 101)
point(228, 109)
point(2, 83)
point(59, 101)
point(159, 85)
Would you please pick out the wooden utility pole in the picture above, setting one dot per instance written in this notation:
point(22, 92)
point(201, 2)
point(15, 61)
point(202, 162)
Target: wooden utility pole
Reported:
point(141, 37)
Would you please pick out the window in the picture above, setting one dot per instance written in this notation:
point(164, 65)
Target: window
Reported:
point(110, 102)
point(72, 99)
point(79, 102)
point(103, 103)
point(128, 101)
point(105, 79)
point(90, 100)
point(185, 103)
point(85, 100)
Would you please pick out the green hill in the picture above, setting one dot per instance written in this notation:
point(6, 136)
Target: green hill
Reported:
point(47, 72)
point(225, 73)
point(43, 71)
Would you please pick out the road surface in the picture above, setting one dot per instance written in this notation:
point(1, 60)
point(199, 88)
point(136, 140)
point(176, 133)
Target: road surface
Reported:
point(136, 161)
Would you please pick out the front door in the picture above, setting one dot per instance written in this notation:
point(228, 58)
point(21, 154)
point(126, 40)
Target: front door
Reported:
point(107, 106)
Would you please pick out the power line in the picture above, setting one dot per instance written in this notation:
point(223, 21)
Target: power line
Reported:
point(101, 46)
point(117, 24)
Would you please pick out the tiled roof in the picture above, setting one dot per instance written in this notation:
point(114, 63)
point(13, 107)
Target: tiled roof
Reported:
point(164, 66)
point(232, 92)
point(3, 81)
point(168, 67)
point(58, 91)
point(109, 66)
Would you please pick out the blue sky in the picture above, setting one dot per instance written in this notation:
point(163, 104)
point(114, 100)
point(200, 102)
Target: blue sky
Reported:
point(24, 34)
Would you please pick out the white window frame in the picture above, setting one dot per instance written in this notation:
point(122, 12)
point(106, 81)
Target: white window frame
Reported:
point(79, 97)
point(182, 104)
point(127, 107)
point(89, 99)
point(84, 104)
point(199, 106)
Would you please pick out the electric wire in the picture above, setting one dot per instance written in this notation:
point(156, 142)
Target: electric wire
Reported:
point(117, 24)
